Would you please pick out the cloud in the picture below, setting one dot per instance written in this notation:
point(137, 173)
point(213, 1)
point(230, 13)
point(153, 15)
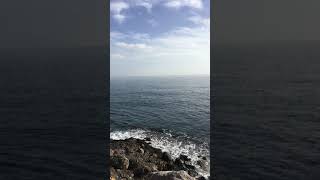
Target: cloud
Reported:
point(196, 19)
point(117, 56)
point(153, 22)
point(132, 45)
point(177, 4)
point(182, 50)
point(116, 8)
point(148, 4)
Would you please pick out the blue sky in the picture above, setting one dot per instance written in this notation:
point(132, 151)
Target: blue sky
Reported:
point(159, 37)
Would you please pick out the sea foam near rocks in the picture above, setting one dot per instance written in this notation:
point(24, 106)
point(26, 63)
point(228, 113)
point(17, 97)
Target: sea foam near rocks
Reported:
point(172, 144)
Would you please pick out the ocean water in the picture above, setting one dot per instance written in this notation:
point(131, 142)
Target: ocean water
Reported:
point(173, 111)
point(267, 116)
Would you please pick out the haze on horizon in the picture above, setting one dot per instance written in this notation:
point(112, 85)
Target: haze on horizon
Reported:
point(159, 38)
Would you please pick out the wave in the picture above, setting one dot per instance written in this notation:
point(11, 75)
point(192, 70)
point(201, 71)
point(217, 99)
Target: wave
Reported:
point(175, 145)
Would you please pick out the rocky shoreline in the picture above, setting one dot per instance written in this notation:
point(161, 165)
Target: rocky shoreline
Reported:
point(137, 159)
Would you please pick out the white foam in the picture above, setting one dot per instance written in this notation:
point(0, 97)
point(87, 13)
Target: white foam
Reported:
point(175, 146)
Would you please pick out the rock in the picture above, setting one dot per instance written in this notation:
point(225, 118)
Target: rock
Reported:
point(179, 164)
point(169, 175)
point(133, 164)
point(113, 174)
point(201, 178)
point(124, 174)
point(189, 166)
point(119, 162)
point(204, 158)
point(154, 155)
point(184, 158)
point(166, 156)
point(140, 150)
point(202, 164)
point(192, 172)
point(142, 171)
point(136, 159)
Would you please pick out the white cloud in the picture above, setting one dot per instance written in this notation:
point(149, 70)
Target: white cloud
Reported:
point(196, 19)
point(132, 45)
point(177, 4)
point(116, 8)
point(117, 56)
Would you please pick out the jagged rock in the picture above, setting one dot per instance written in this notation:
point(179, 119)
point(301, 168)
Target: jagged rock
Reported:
point(119, 162)
point(166, 156)
point(179, 164)
point(202, 164)
point(169, 175)
point(128, 161)
point(184, 158)
point(188, 165)
point(192, 172)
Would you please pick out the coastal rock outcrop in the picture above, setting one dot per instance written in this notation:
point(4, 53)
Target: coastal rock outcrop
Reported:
point(137, 159)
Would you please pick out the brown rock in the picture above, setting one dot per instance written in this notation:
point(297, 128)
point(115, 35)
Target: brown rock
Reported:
point(119, 162)
point(169, 175)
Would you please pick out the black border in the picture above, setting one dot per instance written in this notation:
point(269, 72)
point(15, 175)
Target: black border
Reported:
point(212, 92)
point(107, 75)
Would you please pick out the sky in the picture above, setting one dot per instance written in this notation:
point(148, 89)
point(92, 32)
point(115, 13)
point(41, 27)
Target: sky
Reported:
point(159, 37)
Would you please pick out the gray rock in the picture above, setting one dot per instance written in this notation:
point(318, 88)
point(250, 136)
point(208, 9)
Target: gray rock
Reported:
point(202, 164)
point(169, 175)
point(192, 172)
point(119, 162)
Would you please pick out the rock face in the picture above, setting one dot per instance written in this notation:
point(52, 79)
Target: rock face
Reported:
point(136, 159)
point(119, 162)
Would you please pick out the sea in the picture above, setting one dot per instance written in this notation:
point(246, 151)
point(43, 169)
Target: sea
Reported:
point(267, 111)
point(174, 111)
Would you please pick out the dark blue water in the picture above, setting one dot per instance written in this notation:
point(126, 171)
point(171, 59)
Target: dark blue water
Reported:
point(172, 110)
